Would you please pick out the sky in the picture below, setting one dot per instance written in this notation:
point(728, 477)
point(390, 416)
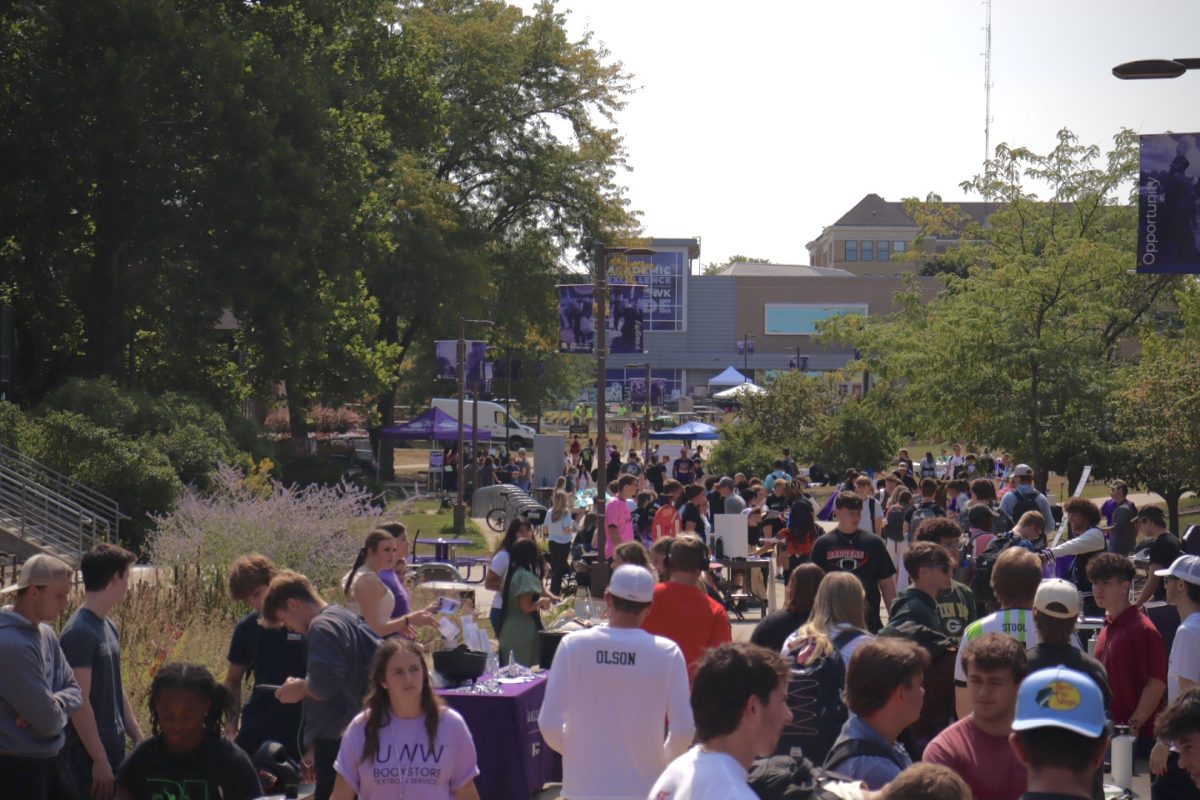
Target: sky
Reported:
point(756, 124)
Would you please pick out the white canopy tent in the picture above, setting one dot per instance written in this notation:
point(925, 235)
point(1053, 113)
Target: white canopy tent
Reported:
point(739, 391)
point(730, 377)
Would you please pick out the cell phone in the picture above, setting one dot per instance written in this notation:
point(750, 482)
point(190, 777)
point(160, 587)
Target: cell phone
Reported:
point(267, 688)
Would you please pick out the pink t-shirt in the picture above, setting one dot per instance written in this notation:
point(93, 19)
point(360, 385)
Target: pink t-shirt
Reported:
point(987, 763)
point(617, 513)
point(406, 764)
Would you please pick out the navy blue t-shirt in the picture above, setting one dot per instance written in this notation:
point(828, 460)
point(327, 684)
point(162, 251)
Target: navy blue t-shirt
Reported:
point(273, 655)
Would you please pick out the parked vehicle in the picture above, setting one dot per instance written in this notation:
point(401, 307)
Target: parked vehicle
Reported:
point(491, 419)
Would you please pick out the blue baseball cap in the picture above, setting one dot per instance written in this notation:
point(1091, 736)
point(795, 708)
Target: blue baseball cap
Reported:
point(1058, 697)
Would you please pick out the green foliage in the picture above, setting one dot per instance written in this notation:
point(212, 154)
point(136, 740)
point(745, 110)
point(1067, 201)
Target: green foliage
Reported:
point(1156, 417)
point(1022, 352)
point(133, 472)
point(808, 415)
point(14, 427)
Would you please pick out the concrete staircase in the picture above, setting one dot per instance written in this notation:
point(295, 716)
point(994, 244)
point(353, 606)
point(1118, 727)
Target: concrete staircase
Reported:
point(42, 510)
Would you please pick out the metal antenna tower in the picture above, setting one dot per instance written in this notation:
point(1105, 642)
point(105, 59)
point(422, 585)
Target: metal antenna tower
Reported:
point(987, 83)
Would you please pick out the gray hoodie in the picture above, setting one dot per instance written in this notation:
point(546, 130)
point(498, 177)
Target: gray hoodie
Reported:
point(36, 685)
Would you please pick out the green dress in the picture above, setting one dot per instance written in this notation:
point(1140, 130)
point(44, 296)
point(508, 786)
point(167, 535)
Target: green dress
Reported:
point(519, 633)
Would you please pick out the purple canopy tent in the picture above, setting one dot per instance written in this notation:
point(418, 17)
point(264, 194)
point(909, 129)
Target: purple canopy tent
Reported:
point(435, 425)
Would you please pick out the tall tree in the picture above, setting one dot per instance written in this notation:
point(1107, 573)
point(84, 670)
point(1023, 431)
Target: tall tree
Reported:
point(1022, 352)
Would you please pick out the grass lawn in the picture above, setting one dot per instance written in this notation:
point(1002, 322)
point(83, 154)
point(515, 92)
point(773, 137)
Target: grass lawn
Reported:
point(423, 517)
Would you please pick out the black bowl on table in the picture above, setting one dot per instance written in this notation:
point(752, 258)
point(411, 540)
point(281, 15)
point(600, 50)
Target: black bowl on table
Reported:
point(460, 664)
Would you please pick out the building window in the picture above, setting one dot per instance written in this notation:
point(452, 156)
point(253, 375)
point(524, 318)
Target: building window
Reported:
point(851, 250)
point(868, 250)
point(800, 319)
point(883, 251)
point(898, 247)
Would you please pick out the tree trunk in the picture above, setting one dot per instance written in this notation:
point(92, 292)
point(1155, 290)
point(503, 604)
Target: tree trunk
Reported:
point(389, 331)
point(297, 424)
point(1035, 434)
point(1172, 499)
point(105, 303)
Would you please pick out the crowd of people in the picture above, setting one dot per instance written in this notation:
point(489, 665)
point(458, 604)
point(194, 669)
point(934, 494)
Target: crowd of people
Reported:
point(939, 640)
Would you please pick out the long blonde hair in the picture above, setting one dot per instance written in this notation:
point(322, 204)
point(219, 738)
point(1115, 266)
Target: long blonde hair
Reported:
point(841, 600)
point(560, 506)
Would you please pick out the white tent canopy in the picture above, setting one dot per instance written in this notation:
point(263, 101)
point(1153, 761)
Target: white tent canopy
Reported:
point(730, 377)
point(739, 391)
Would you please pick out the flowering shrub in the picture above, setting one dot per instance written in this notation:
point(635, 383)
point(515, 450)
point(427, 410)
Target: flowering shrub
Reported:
point(278, 420)
point(336, 420)
point(315, 530)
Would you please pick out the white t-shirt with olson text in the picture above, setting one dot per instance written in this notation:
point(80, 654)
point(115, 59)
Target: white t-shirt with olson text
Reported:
point(406, 766)
point(499, 566)
point(606, 699)
point(1185, 656)
point(700, 774)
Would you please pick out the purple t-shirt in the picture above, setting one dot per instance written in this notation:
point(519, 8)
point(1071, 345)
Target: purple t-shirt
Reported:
point(392, 582)
point(405, 763)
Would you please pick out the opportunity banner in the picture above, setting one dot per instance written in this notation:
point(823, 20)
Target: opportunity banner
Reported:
point(1167, 203)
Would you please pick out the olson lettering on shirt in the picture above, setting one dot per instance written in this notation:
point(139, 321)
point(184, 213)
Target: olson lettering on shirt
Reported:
point(620, 658)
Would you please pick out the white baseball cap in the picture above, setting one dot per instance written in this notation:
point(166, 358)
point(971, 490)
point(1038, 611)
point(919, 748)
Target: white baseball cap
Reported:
point(633, 583)
point(1186, 568)
point(1057, 598)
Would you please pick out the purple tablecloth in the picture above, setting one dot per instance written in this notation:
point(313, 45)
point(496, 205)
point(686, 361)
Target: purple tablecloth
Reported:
point(514, 759)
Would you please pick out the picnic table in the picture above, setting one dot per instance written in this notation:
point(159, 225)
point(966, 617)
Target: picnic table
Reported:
point(443, 548)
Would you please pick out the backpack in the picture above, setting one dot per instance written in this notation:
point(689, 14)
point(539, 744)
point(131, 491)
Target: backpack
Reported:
point(921, 512)
point(937, 712)
point(790, 777)
point(893, 527)
point(852, 748)
point(965, 571)
point(815, 698)
point(664, 521)
point(981, 569)
point(1026, 501)
point(928, 469)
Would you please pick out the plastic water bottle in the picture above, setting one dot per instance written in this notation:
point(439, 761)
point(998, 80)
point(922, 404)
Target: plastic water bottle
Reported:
point(512, 658)
point(1122, 758)
point(493, 663)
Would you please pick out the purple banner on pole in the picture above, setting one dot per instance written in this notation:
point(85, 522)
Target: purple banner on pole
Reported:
point(575, 332)
point(446, 351)
point(625, 318)
point(1168, 239)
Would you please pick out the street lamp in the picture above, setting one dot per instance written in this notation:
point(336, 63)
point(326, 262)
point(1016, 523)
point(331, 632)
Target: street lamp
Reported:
point(600, 254)
point(1155, 68)
point(746, 349)
point(460, 509)
point(646, 418)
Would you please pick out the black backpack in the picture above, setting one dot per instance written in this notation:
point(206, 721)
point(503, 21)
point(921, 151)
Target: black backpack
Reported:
point(965, 572)
point(791, 777)
point(1026, 501)
point(852, 748)
point(981, 569)
point(921, 512)
point(815, 699)
point(893, 526)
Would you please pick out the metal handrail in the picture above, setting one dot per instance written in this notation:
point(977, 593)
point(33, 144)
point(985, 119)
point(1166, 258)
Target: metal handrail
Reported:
point(47, 518)
point(95, 503)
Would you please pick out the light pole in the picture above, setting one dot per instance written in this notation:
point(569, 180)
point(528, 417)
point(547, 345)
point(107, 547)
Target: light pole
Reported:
point(646, 417)
point(460, 509)
point(1155, 68)
point(746, 348)
point(600, 254)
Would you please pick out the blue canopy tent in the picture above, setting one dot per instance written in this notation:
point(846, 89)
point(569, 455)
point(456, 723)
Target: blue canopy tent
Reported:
point(435, 425)
point(688, 431)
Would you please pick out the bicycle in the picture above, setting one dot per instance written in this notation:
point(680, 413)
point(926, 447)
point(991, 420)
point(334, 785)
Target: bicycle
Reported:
point(497, 520)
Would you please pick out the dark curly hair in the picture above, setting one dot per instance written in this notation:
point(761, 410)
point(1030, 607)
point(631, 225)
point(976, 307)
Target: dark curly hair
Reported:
point(193, 678)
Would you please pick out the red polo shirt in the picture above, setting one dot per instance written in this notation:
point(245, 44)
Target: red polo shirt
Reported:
point(1132, 651)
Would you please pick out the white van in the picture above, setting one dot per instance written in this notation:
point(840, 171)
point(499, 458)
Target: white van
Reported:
point(491, 419)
